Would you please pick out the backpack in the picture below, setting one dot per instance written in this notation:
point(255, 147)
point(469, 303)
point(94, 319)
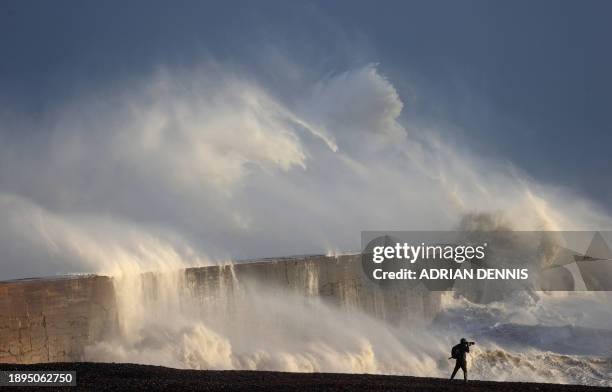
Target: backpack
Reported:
point(456, 351)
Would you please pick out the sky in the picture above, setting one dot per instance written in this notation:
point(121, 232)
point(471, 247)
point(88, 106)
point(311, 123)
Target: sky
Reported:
point(514, 92)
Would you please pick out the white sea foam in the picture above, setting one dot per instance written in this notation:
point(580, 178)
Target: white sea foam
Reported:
point(241, 325)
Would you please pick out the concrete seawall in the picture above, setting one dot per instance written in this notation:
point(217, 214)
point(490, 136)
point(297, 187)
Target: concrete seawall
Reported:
point(53, 320)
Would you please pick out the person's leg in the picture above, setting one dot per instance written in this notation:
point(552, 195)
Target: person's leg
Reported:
point(464, 368)
point(457, 366)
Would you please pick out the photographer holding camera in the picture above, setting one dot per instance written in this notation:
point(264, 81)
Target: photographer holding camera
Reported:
point(458, 352)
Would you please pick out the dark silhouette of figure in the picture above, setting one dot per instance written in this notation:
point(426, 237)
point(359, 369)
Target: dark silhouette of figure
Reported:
point(458, 352)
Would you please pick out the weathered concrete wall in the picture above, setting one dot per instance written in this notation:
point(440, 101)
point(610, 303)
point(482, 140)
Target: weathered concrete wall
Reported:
point(338, 280)
point(46, 320)
point(52, 320)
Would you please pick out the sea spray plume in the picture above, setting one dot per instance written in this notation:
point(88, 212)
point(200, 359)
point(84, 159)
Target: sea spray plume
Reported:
point(542, 252)
point(84, 243)
point(203, 327)
point(227, 167)
point(213, 162)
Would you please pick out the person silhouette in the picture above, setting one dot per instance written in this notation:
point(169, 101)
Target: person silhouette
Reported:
point(458, 353)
